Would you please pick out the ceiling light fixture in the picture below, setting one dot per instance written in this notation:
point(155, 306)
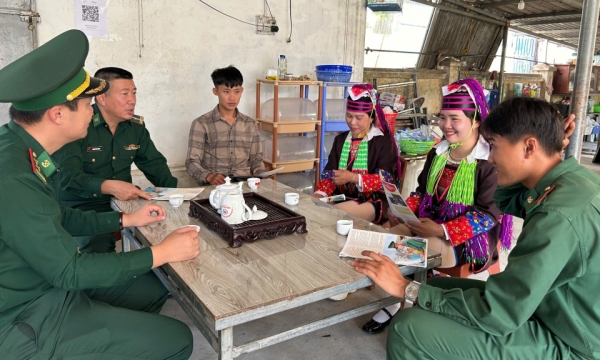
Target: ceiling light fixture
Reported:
point(521, 5)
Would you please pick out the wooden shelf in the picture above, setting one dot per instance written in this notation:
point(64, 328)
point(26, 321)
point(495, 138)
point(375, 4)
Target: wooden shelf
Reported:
point(285, 82)
point(289, 127)
point(292, 166)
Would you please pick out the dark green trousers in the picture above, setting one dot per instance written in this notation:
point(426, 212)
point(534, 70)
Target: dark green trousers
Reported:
point(419, 334)
point(120, 322)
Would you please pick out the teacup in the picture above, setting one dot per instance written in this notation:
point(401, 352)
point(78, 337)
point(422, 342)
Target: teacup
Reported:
point(253, 183)
point(292, 198)
point(197, 227)
point(344, 226)
point(176, 200)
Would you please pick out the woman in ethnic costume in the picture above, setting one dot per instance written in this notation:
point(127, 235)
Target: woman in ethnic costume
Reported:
point(358, 156)
point(454, 197)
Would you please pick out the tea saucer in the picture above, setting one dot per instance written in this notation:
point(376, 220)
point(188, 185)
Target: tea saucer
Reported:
point(259, 215)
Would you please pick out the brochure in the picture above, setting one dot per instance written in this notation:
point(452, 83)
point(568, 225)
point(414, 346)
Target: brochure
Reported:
point(162, 193)
point(397, 203)
point(269, 173)
point(403, 250)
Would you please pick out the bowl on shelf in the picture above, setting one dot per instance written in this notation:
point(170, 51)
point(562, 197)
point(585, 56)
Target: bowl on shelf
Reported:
point(333, 73)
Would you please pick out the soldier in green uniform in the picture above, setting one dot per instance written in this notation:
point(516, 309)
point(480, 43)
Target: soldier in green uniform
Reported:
point(544, 304)
point(99, 166)
point(57, 303)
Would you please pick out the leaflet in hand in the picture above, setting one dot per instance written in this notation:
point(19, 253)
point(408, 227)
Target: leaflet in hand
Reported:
point(403, 250)
point(269, 173)
point(397, 204)
point(162, 193)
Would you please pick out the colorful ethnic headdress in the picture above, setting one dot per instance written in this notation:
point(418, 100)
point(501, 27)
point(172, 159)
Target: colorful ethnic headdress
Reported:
point(363, 98)
point(468, 95)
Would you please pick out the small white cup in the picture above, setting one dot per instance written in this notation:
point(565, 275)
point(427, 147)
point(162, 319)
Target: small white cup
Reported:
point(344, 226)
point(253, 183)
point(197, 227)
point(176, 200)
point(292, 198)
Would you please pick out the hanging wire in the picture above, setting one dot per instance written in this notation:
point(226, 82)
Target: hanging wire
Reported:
point(268, 7)
point(219, 11)
point(289, 39)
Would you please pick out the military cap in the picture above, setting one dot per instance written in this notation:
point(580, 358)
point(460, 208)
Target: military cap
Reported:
point(50, 75)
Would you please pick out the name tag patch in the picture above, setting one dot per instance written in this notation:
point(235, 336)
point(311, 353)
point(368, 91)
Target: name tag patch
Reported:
point(94, 148)
point(132, 147)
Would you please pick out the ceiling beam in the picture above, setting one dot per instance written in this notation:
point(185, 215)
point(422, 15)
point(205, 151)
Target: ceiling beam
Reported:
point(547, 22)
point(491, 21)
point(558, 31)
point(470, 7)
point(542, 15)
point(504, 3)
point(574, 3)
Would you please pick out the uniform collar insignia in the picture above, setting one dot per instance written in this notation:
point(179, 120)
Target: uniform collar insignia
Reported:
point(35, 166)
point(48, 167)
point(137, 119)
point(96, 119)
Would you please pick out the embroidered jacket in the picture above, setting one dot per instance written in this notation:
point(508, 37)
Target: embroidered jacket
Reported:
point(475, 221)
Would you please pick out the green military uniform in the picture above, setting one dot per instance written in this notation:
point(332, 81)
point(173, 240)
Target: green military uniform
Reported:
point(542, 306)
point(56, 303)
point(85, 164)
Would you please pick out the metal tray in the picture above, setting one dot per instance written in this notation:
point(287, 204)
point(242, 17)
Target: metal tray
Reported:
point(281, 220)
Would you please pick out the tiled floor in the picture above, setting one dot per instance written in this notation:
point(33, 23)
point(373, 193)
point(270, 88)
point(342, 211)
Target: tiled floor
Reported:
point(341, 341)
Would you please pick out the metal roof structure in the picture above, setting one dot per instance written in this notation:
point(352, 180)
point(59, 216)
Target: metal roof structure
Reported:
point(473, 28)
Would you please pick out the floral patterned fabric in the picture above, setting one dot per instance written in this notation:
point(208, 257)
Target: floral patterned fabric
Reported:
point(462, 228)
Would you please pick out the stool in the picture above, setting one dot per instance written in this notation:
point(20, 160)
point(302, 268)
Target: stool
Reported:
point(464, 270)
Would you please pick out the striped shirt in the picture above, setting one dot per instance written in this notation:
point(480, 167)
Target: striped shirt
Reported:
point(217, 147)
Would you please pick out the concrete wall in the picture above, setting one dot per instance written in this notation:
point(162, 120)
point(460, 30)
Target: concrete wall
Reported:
point(171, 47)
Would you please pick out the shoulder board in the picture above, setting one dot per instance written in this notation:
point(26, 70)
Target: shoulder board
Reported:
point(35, 166)
point(96, 119)
point(137, 119)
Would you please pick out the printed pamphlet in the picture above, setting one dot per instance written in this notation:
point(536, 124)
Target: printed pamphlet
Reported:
point(397, 203)
point(403, 250)
point(162, 193)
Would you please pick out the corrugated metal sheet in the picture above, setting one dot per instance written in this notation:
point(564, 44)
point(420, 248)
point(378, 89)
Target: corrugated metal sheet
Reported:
point(454, 35)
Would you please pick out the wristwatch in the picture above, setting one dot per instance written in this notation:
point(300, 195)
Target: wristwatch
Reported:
point(412, 291)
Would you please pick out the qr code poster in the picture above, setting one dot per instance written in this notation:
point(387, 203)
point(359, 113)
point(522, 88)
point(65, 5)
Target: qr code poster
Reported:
point(91, 17)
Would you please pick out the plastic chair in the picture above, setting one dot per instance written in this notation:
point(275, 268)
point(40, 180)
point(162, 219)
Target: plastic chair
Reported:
point(464, 270)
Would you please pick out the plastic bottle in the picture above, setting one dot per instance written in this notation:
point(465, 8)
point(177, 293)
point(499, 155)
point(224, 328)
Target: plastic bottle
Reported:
point(282, 67)
point(399, 141)
point(590, 106)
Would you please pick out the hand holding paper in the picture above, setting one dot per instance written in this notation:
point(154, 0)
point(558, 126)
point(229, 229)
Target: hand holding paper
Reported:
point(426, 227)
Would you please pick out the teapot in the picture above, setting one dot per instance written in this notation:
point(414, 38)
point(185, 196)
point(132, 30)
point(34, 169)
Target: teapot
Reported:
point(234, 209)
point(216, 195)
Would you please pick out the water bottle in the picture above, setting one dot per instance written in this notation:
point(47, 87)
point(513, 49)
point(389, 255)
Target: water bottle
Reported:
point(398, 138)
point(282, 67)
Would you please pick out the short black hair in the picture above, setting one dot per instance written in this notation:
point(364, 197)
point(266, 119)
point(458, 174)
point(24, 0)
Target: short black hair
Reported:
point(518, 117)
point(34, 117)
point(229, 76)
point(113, 73)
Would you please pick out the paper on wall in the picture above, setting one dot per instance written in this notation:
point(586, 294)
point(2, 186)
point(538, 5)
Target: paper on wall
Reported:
point(91, 17)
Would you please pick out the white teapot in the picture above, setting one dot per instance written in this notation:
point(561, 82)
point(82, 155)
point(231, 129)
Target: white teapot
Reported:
point(216, 195)
point(234, 209)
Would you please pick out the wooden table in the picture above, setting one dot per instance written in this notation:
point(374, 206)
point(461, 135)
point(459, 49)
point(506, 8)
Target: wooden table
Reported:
point(224, 287)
